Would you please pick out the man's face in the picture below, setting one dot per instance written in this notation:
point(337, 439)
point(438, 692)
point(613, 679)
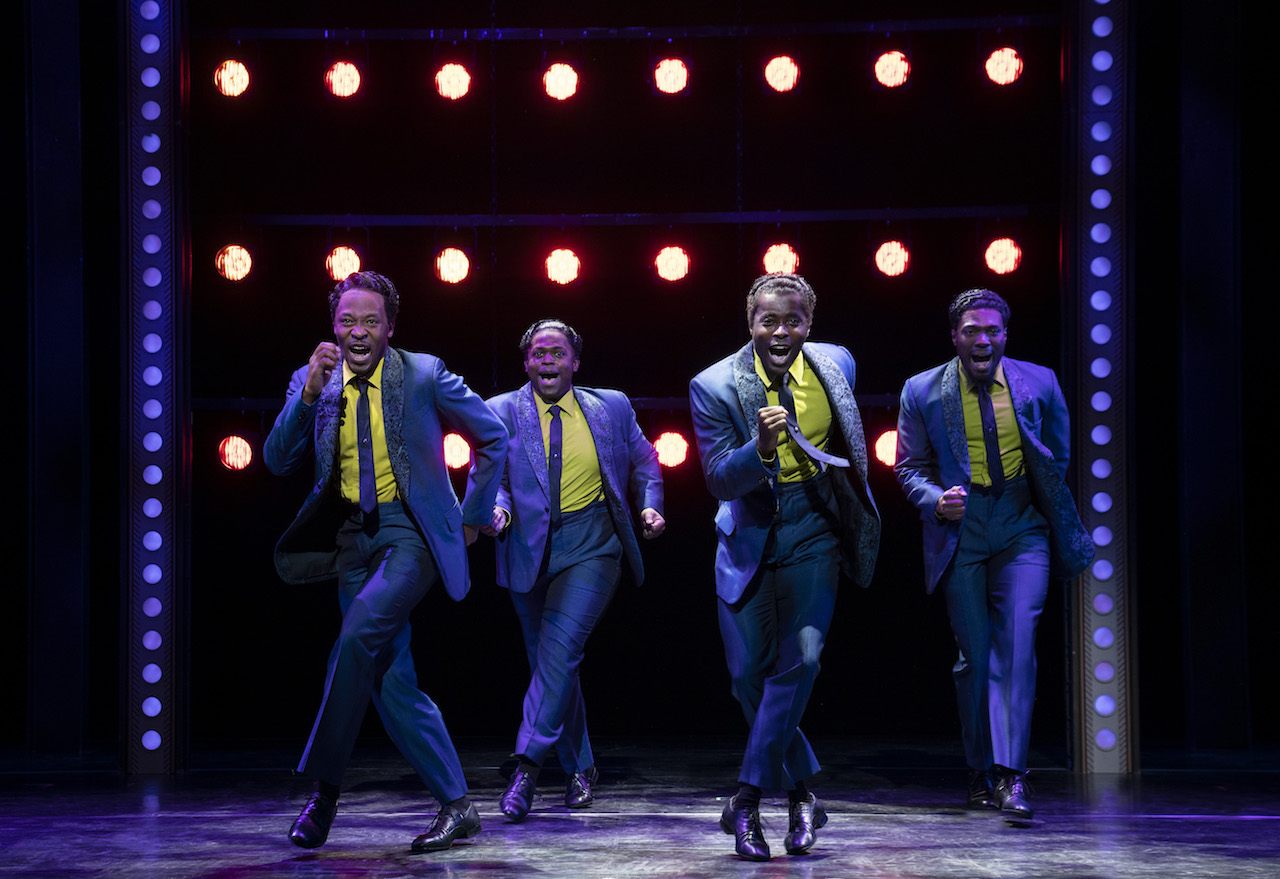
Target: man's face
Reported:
point(361, 327)
point(779, 326)
point(979, 341)
point(550, 364)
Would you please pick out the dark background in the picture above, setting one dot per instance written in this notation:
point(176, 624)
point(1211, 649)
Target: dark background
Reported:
point(945, 164)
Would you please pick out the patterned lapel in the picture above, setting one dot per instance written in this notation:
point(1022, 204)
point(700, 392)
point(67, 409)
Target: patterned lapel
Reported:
point(840, 396)
point(750, 389)
point(530, 432)
point(953, 414)
point(1020, 396)
point(597, 418)
point(328, 416)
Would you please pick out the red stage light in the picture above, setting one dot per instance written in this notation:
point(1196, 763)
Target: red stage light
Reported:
point(672, 449)
point(234, 452)
point(233, 262)
point(560, 81)
point(341, 261)
point(342, 79)
point(781, 258)
point(453, 81)
point(457, 454)
point(231, 78)
point(1003, 256)
point(672, 263)
point(782, 73)
point(671, 76)
point(892, 258)
point(452, 265)
point(1004, 66)
point(892, 69)
point(887, 448)
point(563, 266)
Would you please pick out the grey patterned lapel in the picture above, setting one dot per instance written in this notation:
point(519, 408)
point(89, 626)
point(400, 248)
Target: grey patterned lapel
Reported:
point(530, 432)
point(840, 396)
point(1020, 396)
point(597, 418)
point(327, 420)
point(750, 389)
point(393, 418)
point(953, 413)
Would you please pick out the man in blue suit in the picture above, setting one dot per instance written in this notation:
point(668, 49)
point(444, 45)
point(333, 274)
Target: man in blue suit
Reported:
point(782, 447)
point(983, 447)
point(563, 530)
point(382, 518)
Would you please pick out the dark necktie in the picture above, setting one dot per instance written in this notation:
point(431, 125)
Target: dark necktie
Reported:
point(554, 464)
point(990, 437)
point(788, 401)
point(364, 447)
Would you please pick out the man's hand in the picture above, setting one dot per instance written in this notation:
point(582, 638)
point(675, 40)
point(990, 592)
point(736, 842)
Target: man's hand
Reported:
point(470, 533)
point(323, 361)
point(496, 523)
point(951, 505)
point(771, 421)
point(652, 522)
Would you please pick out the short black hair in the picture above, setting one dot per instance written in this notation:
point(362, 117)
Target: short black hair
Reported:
point(551, 323)
point(978, 297)
point(372, 281)
point(780, 282)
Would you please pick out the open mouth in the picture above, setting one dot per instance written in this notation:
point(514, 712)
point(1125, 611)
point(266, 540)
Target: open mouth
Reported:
point(779, 351)
point(359, 350)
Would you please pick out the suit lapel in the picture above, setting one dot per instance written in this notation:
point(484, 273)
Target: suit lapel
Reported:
point(597, 417)
point(953, 414)
point(328, 416)
point(529, 430)
point(750, 389)
point(393, 418)
point(840, 397)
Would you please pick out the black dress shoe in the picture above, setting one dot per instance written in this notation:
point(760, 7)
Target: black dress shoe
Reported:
point(312, 827)
point(748, 835)
point(518, 798)
point(1013, 794)
point(980, 793)
point(806, 817)
point(577, 790)
point(451, 824)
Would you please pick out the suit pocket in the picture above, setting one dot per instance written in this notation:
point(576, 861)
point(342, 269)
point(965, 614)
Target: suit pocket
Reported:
point(453, 518)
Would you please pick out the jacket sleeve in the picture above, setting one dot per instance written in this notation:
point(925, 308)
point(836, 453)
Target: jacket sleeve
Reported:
point(289, 442)
point(1055, 427)
point(646, 472)
point(461, 409)
point(916, 460)
point(732, 467)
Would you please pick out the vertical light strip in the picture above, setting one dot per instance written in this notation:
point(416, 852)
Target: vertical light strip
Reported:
point(153, 375)
point(1106, 703)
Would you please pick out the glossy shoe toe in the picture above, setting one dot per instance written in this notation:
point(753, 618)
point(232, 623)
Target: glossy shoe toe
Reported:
point(577, 790)
point(518, 798)
point(1013, 794)
point(748, 835)
point(805, 818)
point(312, 827)
point(450, 825)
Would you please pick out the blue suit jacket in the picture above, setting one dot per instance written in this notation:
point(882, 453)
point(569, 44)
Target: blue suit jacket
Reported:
point(933, 455)
point(724, 399)
point(626, 459)
point(421, 400)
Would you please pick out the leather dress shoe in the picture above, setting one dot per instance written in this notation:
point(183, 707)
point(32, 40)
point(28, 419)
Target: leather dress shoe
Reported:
point(312, 827)
point(806, 817)
point(518, 798)
point(748, 835)
point(980, 794)
point(451, 824)
point(1013, 794)
point(577, 790)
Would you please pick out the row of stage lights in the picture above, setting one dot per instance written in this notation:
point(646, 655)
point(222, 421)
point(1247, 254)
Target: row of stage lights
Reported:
point(672, 263)
point(670, 76)
point(236, 453)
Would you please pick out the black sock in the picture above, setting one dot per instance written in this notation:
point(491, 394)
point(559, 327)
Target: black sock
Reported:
point(327, 790)
point(800, 794)
point(748, 797)
point(462, 803)
point(528, 767)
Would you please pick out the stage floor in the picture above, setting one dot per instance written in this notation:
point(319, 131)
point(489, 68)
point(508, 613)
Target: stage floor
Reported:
point(895, 811)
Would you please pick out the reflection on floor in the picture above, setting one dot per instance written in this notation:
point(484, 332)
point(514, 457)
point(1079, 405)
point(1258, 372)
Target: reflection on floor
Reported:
point(895, 812)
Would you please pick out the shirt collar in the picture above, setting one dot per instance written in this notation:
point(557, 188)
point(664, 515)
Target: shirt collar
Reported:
point(796, 370)
point(375, 380)
point(568, 404)
point(967, 385)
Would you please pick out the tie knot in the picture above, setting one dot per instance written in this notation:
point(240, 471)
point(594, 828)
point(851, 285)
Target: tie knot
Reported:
point(554, 409)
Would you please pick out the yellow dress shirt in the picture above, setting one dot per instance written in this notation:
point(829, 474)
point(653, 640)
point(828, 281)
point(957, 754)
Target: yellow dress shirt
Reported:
point(349, 454)
point(813, 412)
point(580, 483)
point(1007, 435)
